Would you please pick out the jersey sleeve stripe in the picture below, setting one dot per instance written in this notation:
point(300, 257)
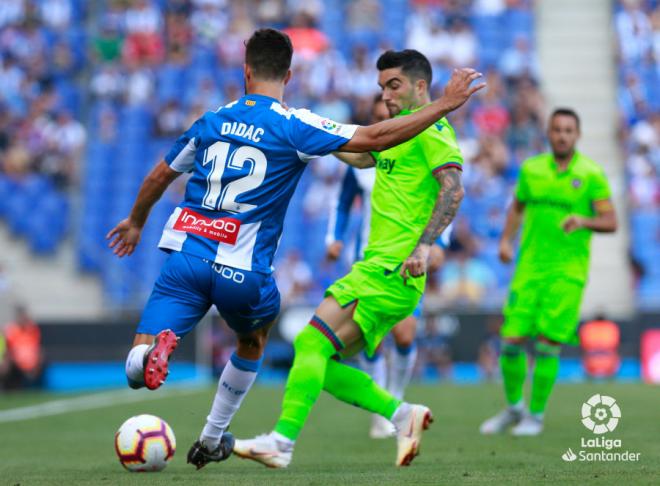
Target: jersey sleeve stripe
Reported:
point(448, 165)
point(185, 160)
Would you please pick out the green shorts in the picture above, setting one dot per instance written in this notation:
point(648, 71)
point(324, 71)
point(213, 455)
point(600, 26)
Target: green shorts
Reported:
point(383, 299)
point(547, 306)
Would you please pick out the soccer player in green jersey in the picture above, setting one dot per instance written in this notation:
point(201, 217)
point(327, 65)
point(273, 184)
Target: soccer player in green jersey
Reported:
point(415, 197)
point(561, 198)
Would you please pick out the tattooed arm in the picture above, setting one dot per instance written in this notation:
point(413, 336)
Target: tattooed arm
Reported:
point(449, 199)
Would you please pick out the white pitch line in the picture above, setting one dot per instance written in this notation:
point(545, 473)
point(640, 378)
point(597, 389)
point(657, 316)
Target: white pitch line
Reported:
point(89, 402)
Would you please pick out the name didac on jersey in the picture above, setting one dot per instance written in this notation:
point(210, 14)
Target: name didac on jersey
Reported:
point(246, 160)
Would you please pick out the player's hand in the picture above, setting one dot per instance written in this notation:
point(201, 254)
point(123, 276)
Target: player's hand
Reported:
point(506, 251)
point(415, 265)
point(458, 89)
point(436, 258)
point(573, 223)
point(333, 251)
point(126, 237)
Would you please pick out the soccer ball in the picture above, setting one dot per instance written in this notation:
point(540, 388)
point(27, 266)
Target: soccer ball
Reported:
point(145, 443)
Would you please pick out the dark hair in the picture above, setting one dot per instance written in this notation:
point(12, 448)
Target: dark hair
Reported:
point(378, 98)
point(412, 63)
point(566, 112)
point(268, 52)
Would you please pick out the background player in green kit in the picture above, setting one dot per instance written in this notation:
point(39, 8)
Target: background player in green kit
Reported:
point(416, 195)
point(560, 199)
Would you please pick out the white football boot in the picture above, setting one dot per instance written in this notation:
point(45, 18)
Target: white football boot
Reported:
point(502, 421)
point(410, 421)
point(266, 449)
point(381, 428)
point(530, 425)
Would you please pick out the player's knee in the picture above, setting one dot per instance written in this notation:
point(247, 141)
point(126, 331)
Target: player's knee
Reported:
point(547, 347)
point(512, 348)
point(405, 340)
point(252, 345)
point(518, 341)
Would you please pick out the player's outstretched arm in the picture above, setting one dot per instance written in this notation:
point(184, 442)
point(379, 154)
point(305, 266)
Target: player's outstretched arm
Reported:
point(126, 235)
point(511, 226)
point(449, 199)
point(388, 133)
point(357, 160)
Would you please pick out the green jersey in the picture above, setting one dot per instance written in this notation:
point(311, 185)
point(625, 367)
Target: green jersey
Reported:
point(550, 197)
point(405, 192)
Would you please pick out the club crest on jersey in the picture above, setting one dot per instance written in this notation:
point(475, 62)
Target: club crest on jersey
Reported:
point(328, 125)
point(576, 183)
point(224, 230)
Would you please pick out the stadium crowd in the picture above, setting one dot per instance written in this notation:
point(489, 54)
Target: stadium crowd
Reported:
point(637, 25)
point(138, 72)
point(41, 136)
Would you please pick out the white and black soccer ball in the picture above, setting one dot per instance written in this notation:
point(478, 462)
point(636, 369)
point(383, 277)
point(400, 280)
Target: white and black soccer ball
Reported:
point(145, 443)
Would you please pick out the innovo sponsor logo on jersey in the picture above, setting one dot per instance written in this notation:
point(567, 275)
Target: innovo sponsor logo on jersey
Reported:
point(224, 230)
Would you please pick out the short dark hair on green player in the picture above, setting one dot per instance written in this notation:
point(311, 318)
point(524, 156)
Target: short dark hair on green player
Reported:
point(566, 112)
point(268, 52)
point(412, 63)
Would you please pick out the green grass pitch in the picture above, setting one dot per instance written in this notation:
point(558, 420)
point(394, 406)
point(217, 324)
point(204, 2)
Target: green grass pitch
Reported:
point(77, 447)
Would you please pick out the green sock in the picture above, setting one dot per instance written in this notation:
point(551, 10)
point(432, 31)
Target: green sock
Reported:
point(357, 388)
point(546, 368)
point(513, 363)
point(313, 348)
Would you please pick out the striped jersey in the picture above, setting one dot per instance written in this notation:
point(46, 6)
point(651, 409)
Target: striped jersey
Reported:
point(246, 160)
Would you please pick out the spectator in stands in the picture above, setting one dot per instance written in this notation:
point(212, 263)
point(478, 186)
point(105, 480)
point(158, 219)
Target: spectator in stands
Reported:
point(364, 16)
point(361, 73)
point(65, 140)
point(108, 43)
point(207, 20)
point(56, 14)
point(170, 120)
point(294, 278)
point(519, 59)
point(11, 12)
point(463, 49)
point(108, 83)
point(634, 29)
point(139, 86)
point(144, 42)
point(25, 354)
point(465, 279)
point(324, 187)
point(11, 82)
point(491, 116)
point(426, 34)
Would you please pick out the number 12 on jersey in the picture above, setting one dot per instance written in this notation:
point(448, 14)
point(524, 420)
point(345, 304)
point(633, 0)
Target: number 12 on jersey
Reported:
point(219, 197)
